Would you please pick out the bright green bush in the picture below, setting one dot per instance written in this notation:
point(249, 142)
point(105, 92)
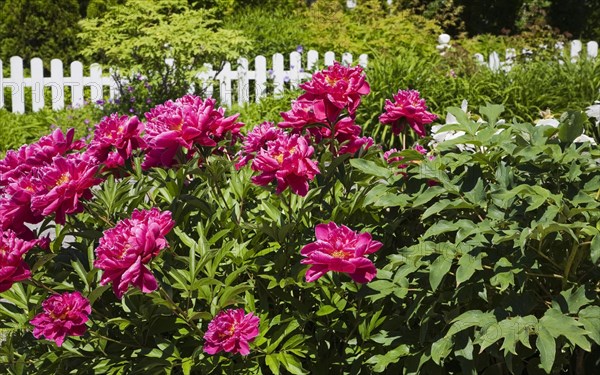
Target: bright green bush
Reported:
point(135, 38)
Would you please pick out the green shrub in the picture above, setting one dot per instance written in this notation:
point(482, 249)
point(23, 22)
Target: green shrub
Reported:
point(39, 28)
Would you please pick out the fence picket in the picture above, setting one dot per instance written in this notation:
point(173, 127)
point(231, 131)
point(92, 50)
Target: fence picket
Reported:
point(260, 78)
point(95, 83)
point(243, 83)
point(37, 84)
point(576, 47)
point(592, 49)
point(295, 68)
point(329, 58)
point(311, 60)
point(17, 84)
point(224, 78)
point(57, 84)
point(346, 59)
point(278, 74)
point(76, 83)
point(363, 60)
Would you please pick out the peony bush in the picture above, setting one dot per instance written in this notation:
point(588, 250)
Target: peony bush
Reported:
point(301, 246)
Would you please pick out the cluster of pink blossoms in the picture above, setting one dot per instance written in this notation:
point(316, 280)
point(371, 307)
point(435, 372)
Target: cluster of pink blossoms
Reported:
point(231, 331)
point(125, 249)
point(182, 124)
point(115, 139)
point(315, 117)
point(64, 315)
point(44, 178)
point(340, 249)
point(407, 109)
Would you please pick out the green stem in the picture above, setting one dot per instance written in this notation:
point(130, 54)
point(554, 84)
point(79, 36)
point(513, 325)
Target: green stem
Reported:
point(569, 265)
point(178, 311)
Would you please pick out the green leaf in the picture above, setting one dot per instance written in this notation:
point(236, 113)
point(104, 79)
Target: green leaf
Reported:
point(467, 265)
point(557, 324)
point(491, 112)
point(381, 361)
point(325, 310)
point(440, 349)
point(590, 318)
point(571, 125)
point(547, 347)
point(291, 363)
point(595, 248)
point(273, 363)
point(370, 168)
point(439, 268)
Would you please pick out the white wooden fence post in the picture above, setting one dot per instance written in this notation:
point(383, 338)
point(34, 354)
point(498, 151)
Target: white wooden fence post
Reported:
point(95, 83)
point(260, 78)
point(224, 78)
point(76, 84)
point(347, 59)
point(295, 67)
point(18, 84)
point(1, 86)
point(363, 60)
point(312, 59)
point(278, 75)
point(592, 49)
point(329, 58)
point(57, 84)
point(207, 77)
point(494, 61)
point(576, 47)
point(37, 84)
point(243, 83)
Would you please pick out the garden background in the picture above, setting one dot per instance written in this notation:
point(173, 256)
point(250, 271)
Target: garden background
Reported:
point(459, 220)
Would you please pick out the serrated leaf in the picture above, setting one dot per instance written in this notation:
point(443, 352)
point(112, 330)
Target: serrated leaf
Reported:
point(547, 347)
point(558, 324)
point(467, 265)
point(590, 318)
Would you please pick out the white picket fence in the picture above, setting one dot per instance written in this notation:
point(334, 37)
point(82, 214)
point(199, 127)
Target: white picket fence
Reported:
point(228, 82)
point(495, 63)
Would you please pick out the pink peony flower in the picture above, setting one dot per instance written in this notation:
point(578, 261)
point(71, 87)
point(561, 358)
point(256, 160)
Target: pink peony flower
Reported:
point(186, 122)
point(12, 266)
point(21, 162)
point(61, 185)
point(125, 249)
point(340, 249)
point(231, 331)
point(64, 315)
point(115, 138)
point(256, 140)
point(347, 133)
point(287, 161)
point(304, 113)
point(15, 205)
point(407, 108)
point(339, 87)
